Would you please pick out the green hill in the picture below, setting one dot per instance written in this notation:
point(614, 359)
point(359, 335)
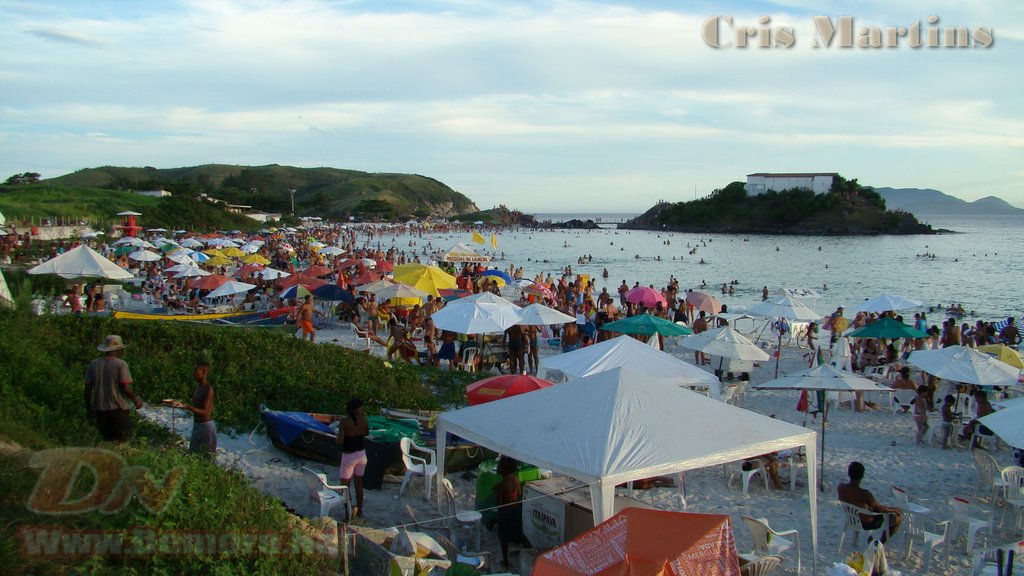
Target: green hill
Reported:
point(847, 209)
point(325, 192)
point(58, 202)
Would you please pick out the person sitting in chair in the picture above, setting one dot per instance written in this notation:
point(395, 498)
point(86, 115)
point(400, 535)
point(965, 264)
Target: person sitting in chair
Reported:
point(852, 493)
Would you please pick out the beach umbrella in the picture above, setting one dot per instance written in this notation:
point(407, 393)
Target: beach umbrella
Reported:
point(823, 378)
point(128, 241)
point(191, 272)
point(125, 249)
point(145, 256)
point(430, 279)
point(784, 307)
point(308, 282)
point(1003, 353)
point(296, 291)
point(478, 314)
point(647, 324)
point(399, 290)
point(214, 253)
point(332, 251)
point(250, 247)
point(199, 256)
point(82, 262)
point(498, 280)
point(334, 293)
point(497, 274)
point(645, 296)
point(724, 342)
point(256, 259)
point(449, 294)
point(233, 252)
point(369, 262)
point(272, 274)
point(373, 287)
point(885, 303)
point(349, 262)
point(317, 270)
point(248, 269)
point(384, 266)
point(191, 243)
point(962, 364)
point(539, 290)
point(541, 315)
point(180, 258)
point(703, 301)
point(218, 261)
point(210, 282)
point(169, 246)
point(886, 328)
point(1008, 424)
point(498, 387)
point(229, 288)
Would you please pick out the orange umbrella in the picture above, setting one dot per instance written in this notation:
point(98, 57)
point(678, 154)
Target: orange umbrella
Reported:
point(317, 271)
point(210, 282)
point(248, 269)
point(498, 387)
point(705, 302)
point(308, 282)
point(634, 542)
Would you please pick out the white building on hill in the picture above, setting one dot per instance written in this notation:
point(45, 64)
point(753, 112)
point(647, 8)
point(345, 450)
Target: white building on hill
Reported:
point(817, 182)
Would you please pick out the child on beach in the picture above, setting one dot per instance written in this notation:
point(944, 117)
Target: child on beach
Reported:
point(921, 413)
point(948, 414)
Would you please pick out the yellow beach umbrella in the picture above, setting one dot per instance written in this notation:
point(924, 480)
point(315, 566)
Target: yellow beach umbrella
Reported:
point(214, 252)
point(430, 279)
point(255, 259)
point(1003, 353)
point(218, 261)
point(232, 252)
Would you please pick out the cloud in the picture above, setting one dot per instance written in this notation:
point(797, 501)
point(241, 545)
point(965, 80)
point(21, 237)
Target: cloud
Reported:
point(67, 37)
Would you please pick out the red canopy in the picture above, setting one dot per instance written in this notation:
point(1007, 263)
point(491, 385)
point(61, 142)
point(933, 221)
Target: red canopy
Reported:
point(307, 281)
point(317, 271)
point(498, 387)
point(210, 282)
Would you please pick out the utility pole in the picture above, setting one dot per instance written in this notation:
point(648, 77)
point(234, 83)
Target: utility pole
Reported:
point(292, 192)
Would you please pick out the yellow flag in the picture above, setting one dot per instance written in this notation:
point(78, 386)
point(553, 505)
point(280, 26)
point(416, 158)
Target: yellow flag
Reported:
point(494, 241)
point(478, 238)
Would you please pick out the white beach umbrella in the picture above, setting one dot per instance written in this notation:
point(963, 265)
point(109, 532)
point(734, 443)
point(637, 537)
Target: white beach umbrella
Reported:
point(540, 315)
point(249, 248)
point(478, 314)
point(400, 290)
point(962, 364)
point(272, 274)
point(82, 262)
point(132, 240)
point(192, 272)
point(191, 243)
point(885, 303)
point(145, 256)
point(374, 287)
point(332, 251)
point(784, 307)
point(179, 257)
point(724, 342)
point(229, 289)
point(1008, 424)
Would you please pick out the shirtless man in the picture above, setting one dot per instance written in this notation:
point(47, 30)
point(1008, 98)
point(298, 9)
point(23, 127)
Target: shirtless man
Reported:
point(570, 337)
point(304, 318)
point(204, 431)
point(623, 288)
point(1010, 335)
point(700, 325)
point(852, 493)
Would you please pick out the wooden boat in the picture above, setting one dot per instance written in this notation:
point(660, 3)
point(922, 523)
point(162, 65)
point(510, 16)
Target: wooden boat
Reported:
point(200, 317)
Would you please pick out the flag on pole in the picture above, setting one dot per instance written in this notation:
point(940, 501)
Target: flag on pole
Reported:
point(478, 238)
point(494, 241)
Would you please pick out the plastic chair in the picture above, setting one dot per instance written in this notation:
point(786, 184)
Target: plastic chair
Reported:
point(729, 394)
point(461, 518)
point(769, 541)
point(903, 399)
point(479, 561)
point(416, 465)
point(746, 475)
point(469, 357)
point(965, 514)
point(854, 523)
point(933, 540)
point(763, 566)
point(984, 559)
point(903, 501)
point(989, 475)
point(1013, 482)
point(325, 495)
point(361, 334)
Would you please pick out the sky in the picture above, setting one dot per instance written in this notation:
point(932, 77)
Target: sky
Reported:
point(542, 106)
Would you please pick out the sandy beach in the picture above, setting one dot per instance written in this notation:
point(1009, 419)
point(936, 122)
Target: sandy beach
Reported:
point(883, 441)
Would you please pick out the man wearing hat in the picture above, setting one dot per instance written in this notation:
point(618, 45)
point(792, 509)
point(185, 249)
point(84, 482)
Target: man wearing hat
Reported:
point(108, 389)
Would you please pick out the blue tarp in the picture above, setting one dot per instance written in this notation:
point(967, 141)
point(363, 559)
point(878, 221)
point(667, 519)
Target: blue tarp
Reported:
point(291, 425)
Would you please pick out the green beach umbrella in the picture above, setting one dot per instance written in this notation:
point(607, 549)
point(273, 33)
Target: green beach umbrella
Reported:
point(886, 328)
point(126, 249)
point(647, 324)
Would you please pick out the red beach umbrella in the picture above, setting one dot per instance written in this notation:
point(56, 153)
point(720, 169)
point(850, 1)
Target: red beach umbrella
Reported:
point(307, 281)
point(648, 297)
point(498, 387)
point(317, 271)
point(210, 282)
point(705, 302)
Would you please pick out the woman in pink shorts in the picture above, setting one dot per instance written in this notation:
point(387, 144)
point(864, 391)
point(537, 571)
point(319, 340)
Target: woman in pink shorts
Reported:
point(351, 434)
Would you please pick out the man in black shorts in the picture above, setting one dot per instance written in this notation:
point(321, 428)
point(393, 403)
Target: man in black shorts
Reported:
point(852, 493)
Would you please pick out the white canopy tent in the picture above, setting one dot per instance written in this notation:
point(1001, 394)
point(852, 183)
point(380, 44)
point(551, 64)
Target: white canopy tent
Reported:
point(628, 352)
point(619, 426)
point(82, 262)
point(462, 253)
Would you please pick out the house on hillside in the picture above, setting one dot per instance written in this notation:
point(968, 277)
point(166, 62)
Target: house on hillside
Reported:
point(160, 193)
point(817, 182)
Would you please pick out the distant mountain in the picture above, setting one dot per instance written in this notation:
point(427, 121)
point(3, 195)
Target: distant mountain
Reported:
point(922, 201)
point(327, 192)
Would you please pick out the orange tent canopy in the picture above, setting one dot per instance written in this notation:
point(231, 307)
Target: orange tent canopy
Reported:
point(633, 543)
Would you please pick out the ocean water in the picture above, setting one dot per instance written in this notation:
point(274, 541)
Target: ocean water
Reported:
point(979, 266)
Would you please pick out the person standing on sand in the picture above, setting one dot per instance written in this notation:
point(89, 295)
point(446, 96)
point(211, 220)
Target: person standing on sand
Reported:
point(700, 325)
point(510, 507)
point(304, 317)
point(204, 430)
point(921, 413)
point(352, 431)
point(108, 389)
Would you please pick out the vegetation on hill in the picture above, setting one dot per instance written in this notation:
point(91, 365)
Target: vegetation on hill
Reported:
point(98, 207)
point(41, 407)
point(325, 192)
point(847, 208)
point(499, 216)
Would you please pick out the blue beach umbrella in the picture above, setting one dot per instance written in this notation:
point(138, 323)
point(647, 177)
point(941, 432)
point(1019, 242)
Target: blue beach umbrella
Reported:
point(333, 292)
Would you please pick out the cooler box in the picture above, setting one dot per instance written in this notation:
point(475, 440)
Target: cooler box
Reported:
point(488, 478)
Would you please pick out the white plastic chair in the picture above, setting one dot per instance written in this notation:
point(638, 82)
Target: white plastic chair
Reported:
point(361, 334)
point(763, 566)
point(461, 518)
point(1013, 482)
point(904, 502)
point(984, 559)
point(903, 399)
point(989, 476)
point(416, 465)
point(469, 356)
point(853, 523)
point(757, 467)
point(769, 541)
point(966, 514)
point(325, 495)
point(729, 395)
